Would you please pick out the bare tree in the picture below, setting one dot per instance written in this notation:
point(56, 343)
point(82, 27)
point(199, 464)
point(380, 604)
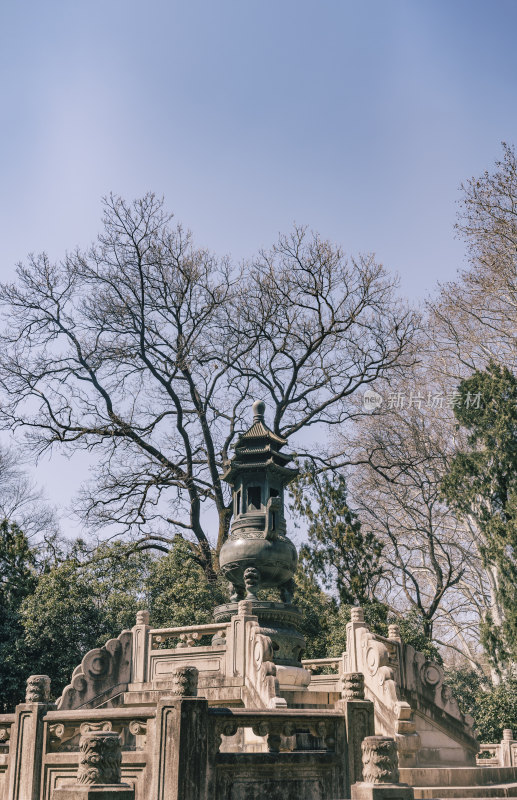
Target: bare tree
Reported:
point(432, 558)
point(475, 317)
point(399, 497)
point(22, 502)
point(147, 351)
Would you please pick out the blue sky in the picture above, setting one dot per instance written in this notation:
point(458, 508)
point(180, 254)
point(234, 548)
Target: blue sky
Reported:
point(359, 119)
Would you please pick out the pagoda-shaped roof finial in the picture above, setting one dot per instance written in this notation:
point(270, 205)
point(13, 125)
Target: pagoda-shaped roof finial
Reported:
point(259, 408)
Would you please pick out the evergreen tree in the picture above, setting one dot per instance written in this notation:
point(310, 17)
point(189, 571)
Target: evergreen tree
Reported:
point(80, 603)
point(178, 592)
point(338, 552)
point(482, 485)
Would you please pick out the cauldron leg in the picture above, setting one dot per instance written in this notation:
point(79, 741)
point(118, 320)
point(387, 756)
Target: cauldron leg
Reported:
point(252, 582)
point(237, 592)
point(287, 591)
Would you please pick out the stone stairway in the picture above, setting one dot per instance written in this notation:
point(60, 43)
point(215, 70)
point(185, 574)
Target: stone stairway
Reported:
point(431, 783)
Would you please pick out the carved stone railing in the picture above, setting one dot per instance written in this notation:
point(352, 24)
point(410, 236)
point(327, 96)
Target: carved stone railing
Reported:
point(405, 686)
point(315, 665)
point(488, 755)
point(132, 659)
point(305, 757)
point(63, 729)
point(277, 725)
point(188, 636)
point(101, 670)
point(502, 754)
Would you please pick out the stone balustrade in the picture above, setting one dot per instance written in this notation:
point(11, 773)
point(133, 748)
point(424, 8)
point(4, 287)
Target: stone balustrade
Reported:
point(276, 725)
point(187, 635)
point(499, 754)
point(412, 700)
point(316, 664)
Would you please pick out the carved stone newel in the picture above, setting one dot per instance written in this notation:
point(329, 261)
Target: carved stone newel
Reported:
point(99, 773)
point(353, 686)
point(380, 760)
point(38, 689)
point(184, 682)
point(100, 758)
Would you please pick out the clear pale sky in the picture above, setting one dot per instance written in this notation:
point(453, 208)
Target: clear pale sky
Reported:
point(359, 119)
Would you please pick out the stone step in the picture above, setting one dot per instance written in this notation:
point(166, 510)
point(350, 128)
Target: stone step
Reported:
point(430, 777)
point(465, 792)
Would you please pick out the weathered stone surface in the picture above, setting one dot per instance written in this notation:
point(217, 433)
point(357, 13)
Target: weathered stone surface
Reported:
point(359, 722)
point(180, 749)
point(380, 772)
point(25, 752)
point(142, 617)
point(382, 791)
point(412, 702)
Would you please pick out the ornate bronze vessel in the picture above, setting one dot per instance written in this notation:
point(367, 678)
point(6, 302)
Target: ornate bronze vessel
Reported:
point(258, 554)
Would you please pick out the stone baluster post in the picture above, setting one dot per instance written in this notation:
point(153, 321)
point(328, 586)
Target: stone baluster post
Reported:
point(24, 771)
point(380, 772)
point(506, 748)
point(353, 651)
point(359, 720)
point(237, 640)
point(140, 647)
point(180, 754)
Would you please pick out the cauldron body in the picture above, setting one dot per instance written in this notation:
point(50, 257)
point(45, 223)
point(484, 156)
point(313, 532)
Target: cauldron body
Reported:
point(275, 559)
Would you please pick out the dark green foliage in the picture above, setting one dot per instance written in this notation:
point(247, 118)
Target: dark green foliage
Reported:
point(482, 483)
point(178, 591)
point(17, 581)
point(318, 612)
point(466, 684)
point(496, 709)
point(55, 613)
point(412, 631)
point(339, 552)
point(80, 604)
point(493, 707)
